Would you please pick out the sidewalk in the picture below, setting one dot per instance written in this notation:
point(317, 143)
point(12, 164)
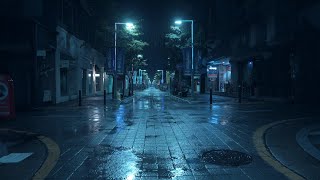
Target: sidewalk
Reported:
point(12, 140)
point(97, 100)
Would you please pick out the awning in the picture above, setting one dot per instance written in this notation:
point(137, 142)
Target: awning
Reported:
point(218, 61)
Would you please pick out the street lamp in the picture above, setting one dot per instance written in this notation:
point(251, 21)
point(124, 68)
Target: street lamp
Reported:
point(139, 56)
point(161, 76)
point(129, 26)
point(179, 22)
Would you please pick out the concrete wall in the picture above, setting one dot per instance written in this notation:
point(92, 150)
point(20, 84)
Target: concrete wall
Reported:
point(82, 58)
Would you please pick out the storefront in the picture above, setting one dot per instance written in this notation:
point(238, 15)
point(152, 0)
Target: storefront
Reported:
point(219, 75)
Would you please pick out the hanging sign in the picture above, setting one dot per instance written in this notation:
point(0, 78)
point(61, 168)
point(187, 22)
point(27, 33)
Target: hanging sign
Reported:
point(186, 55)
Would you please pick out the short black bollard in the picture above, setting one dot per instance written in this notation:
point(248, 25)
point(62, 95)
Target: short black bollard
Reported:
point(80, 98)
point(240, 93)
point(104, 97)
point(210, 95)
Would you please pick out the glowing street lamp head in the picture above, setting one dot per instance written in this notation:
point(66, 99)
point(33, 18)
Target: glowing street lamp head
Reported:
point(178, 22)
point(129, 26)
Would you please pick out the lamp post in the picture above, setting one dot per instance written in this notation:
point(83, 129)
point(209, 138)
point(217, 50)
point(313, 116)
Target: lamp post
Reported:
point(139, 76)
point(161, 76)
point(179, 22)
point(129, 26)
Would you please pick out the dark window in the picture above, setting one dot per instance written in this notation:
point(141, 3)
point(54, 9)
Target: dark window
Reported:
point(64, 81)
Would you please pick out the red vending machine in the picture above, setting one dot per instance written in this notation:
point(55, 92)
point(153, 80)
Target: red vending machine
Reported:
point(7, 108)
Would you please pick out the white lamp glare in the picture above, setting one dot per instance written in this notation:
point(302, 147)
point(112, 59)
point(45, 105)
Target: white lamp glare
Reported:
point(178, 22)
point(129, 26)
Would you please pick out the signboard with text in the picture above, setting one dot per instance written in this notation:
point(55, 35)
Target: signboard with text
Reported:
point(111, 61)
point(212, 71)
point(186, 55)
point(187, 61)
point(109, 66)
point(120, 60)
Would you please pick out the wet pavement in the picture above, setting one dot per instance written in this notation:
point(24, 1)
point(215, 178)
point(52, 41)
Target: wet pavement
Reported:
point(155, 136)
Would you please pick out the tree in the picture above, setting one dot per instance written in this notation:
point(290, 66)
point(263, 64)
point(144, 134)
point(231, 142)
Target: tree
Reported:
point(131, 41)
point(157, 77)
point(179, 38)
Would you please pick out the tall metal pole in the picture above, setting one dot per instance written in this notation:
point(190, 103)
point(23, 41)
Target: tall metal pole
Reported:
point(192, 57)
point(139, 79)
point(115, 63)
point(132, 80)
point(162, 77)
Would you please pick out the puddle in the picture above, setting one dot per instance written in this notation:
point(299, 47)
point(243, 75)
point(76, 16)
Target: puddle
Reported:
point(225, 157)
point(113, 163)
point(113, 131)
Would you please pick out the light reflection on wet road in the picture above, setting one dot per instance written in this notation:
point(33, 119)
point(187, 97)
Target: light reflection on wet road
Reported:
point(152, 137)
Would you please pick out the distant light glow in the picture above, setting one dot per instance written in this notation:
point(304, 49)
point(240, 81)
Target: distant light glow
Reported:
point(97, 75)
point(89, 75)
point(178, 22)
point(130, 177)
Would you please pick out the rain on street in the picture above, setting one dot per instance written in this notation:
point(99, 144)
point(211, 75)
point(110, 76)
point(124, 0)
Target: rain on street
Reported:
point(153, 135)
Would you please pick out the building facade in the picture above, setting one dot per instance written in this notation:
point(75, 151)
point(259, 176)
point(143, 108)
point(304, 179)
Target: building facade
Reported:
point(50, 52)
point(273, 47)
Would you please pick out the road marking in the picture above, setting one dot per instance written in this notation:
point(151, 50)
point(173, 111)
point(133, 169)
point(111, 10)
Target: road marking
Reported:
point(52, 158)
point(259, 143)
point(53, 152)
point(14, 157)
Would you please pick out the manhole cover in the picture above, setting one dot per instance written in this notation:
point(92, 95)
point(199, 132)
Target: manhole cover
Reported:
point(226, 157)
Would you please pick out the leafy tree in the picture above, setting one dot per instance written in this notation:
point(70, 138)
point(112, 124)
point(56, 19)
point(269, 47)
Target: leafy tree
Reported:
point(158, 76)
point(131, 41)
point(178, 38)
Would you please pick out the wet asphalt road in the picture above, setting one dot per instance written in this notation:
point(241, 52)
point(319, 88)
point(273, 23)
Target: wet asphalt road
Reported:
point(153, 136)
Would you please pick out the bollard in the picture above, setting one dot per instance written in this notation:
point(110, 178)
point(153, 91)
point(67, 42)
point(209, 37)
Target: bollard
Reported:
point(104, 97)
point(240, 93)
point(80, 97)
point(210, 95)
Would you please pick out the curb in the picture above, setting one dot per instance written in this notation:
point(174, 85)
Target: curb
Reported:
point(305, 143)
point(179, 99)
point(265, 154)
point(53, 151)
point(126, 100)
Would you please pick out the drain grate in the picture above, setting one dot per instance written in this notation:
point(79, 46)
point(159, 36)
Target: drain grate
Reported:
point(225, 157)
